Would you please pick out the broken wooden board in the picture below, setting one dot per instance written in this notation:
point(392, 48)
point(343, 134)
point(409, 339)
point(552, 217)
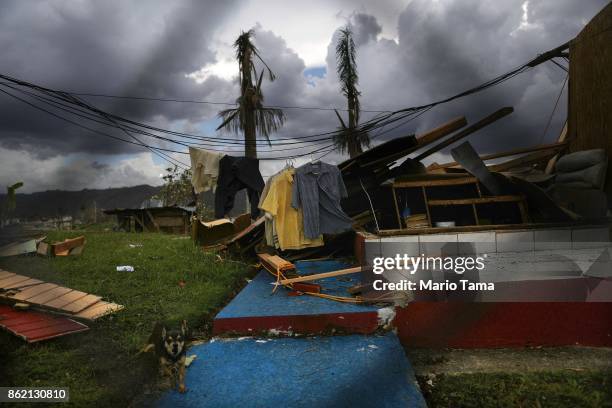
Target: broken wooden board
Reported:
point(323, 275)
point(52, 297)
point(33, 326)
point(275, 263)
point(64, 248)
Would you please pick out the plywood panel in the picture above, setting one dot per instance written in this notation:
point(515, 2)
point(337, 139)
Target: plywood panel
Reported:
point(590, 88)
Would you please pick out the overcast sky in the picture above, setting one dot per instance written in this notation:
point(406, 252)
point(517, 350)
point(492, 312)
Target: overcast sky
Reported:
point(409, 53)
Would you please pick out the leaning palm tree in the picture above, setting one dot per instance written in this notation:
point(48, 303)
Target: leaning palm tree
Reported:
point(250, 116)
point(349, 138)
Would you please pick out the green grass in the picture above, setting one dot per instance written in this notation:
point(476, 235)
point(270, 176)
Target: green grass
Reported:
point(101, 367)
point(539, 389)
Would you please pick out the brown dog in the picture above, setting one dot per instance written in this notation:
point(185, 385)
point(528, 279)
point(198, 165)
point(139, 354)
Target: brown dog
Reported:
point(169, 346)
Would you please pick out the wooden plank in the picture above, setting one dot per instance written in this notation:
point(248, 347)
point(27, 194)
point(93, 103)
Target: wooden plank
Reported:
point(62, 301)
point(306, 278)
point(45, 297)
point(487, 227)
point(34, 291)
point(152, 220)
point(5, 274)
point(23, 284)
point(81, 304)
point(67, 245)
point(445, 129)
point(275, 263)
point(98, 310)
point(12, 281)
point(423, 140)
point(522, 161)
point(550, 167)
point(466, 132)
point(478, 200)
point(551, 146)
point(436, 182)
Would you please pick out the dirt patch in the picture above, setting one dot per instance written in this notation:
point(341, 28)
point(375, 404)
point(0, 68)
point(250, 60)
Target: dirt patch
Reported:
point(456, 361)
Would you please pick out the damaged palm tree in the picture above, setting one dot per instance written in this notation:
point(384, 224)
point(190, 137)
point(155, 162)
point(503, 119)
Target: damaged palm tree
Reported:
point(349, 138)
point(250, 116)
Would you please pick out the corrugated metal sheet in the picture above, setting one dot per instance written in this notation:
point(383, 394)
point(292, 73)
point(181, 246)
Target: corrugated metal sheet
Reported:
point(34, 326)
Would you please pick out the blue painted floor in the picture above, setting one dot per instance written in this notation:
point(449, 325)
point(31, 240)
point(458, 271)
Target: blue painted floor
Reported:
point(340, 371)
point(257, 299)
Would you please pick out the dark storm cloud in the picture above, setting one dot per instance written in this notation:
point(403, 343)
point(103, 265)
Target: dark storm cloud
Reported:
point(113, 47)
point(127, 48)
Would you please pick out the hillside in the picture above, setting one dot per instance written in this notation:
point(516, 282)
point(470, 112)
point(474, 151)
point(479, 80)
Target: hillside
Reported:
point(59, 202)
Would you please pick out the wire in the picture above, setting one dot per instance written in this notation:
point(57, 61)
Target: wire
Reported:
point(553, 111)
point(144, 98)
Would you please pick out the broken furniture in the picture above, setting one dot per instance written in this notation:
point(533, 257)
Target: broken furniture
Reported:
point(207, 233)
point(431, 192)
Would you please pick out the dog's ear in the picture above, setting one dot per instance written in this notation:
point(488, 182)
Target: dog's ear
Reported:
point(184, 327)
point(163, 332)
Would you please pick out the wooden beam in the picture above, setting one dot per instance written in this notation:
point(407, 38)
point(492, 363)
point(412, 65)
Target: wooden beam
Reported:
point(550, 167)
point(522, 161)
point(551, 146)
point(152, 220)
point(445, 129)
point(423, 140)
point(340, 272)
point(466, 132)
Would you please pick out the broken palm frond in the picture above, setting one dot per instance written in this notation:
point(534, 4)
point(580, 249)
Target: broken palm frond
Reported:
point(51, 297)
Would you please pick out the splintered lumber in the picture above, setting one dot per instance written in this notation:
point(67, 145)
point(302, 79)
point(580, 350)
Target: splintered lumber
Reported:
point(551, 146)
point(306, 278)
point(51, 297)
point(63, 248)
point(466, 132)
point(275, 263)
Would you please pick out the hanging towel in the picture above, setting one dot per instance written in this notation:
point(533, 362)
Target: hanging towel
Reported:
point(204, 169)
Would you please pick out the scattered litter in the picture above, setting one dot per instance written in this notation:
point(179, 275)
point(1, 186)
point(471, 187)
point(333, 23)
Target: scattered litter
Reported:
point(261, 341)
point(189, 359)
point(386, 316)
point(135, 245)
point(125, 268)
point(182, 283)
point(373, 346)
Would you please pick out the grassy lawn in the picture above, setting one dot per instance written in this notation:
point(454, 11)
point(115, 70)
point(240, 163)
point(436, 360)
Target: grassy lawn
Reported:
point(534, 389)
point(101, 367)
